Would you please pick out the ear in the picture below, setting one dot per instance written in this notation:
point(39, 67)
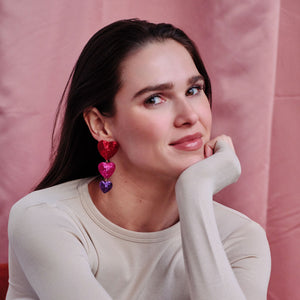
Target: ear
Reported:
point(97, 124)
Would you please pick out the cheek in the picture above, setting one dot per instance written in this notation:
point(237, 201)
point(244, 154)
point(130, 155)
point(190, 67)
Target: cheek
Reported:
point(139, 130)
point(208, 120)
point(206, 117)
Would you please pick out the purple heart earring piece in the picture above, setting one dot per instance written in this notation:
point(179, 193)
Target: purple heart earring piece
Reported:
point(106, 169)
point(105, 186)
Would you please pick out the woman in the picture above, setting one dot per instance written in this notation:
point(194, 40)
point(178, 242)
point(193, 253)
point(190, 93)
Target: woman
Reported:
point(148, 228)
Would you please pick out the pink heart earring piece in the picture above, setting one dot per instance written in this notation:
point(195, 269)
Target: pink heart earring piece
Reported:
point(106, 169)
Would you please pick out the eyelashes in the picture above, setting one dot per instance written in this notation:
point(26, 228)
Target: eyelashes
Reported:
point(158, 98)
point(154, 100)
point(194, 90)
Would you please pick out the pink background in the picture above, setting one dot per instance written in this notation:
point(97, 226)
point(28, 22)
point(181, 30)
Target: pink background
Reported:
point(251, 50)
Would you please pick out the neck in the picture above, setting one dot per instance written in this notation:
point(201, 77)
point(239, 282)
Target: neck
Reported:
point(138, 203)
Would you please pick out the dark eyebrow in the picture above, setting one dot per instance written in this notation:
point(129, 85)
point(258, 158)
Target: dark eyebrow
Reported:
point(157, 87)
point(166, 86)
point(195, 79)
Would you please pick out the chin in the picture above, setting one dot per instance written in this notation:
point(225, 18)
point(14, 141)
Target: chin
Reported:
point(187, 163)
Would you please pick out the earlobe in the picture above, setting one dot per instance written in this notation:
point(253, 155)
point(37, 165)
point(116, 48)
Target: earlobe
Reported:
point(97, 124)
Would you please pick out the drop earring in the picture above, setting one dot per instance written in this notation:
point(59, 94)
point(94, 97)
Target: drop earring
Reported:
point(107, 168)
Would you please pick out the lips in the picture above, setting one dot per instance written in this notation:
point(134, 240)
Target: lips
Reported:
point(187, 138)
point(189, 142)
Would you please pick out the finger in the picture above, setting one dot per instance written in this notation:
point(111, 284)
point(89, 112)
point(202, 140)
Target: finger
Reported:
point(210, 147)
point(208, 151)
point(212, 144)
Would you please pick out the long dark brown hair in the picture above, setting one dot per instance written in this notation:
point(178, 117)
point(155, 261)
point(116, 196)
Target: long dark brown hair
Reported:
point(94, 82)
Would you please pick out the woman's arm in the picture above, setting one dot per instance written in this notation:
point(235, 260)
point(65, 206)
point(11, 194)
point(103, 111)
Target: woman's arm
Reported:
point(50, 255)
point(241, 271)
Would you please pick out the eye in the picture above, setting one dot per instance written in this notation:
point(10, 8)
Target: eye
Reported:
point(194, 90)
point(154, 100)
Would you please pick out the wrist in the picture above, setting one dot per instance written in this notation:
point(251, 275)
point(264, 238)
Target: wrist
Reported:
point(215, 172)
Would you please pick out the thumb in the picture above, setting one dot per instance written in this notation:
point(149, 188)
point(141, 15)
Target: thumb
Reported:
point(209, 148)
point(208, 151)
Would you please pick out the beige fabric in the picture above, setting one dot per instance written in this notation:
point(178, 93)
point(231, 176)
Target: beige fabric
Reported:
point(61, 247)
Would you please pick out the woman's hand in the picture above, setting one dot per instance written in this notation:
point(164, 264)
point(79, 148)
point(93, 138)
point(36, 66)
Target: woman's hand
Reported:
point(219, 169)
point(209, 147)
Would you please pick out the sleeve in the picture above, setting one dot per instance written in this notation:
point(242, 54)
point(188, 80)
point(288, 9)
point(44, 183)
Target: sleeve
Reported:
point(241, 272)
point(50, 249)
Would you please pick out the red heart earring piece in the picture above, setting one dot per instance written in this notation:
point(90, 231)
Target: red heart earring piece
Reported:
point(107, 149)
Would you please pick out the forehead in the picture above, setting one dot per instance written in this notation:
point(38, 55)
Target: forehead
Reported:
point(155, 62)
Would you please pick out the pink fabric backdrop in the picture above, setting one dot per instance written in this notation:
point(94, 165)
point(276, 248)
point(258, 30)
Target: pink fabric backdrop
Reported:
point(251, 49)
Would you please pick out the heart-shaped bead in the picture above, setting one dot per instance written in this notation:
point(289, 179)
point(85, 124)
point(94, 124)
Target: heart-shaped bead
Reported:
point(107, 149)
point(105, 186)
point(106, 169)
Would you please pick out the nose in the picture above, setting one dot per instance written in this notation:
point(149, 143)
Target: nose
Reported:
point(186, 114)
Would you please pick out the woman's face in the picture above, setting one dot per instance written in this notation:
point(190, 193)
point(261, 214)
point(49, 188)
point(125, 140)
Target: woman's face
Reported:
point(163, 117)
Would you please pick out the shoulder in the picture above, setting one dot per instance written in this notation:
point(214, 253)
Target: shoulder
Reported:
point(54, 196)
point(42, 208)
point(231, 221)
point(46, 219)
point(49, 195)
point(239, 233)
point(247, 249)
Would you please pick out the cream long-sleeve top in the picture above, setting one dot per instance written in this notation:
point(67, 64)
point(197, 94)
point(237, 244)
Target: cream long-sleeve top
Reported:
point(61, 247)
